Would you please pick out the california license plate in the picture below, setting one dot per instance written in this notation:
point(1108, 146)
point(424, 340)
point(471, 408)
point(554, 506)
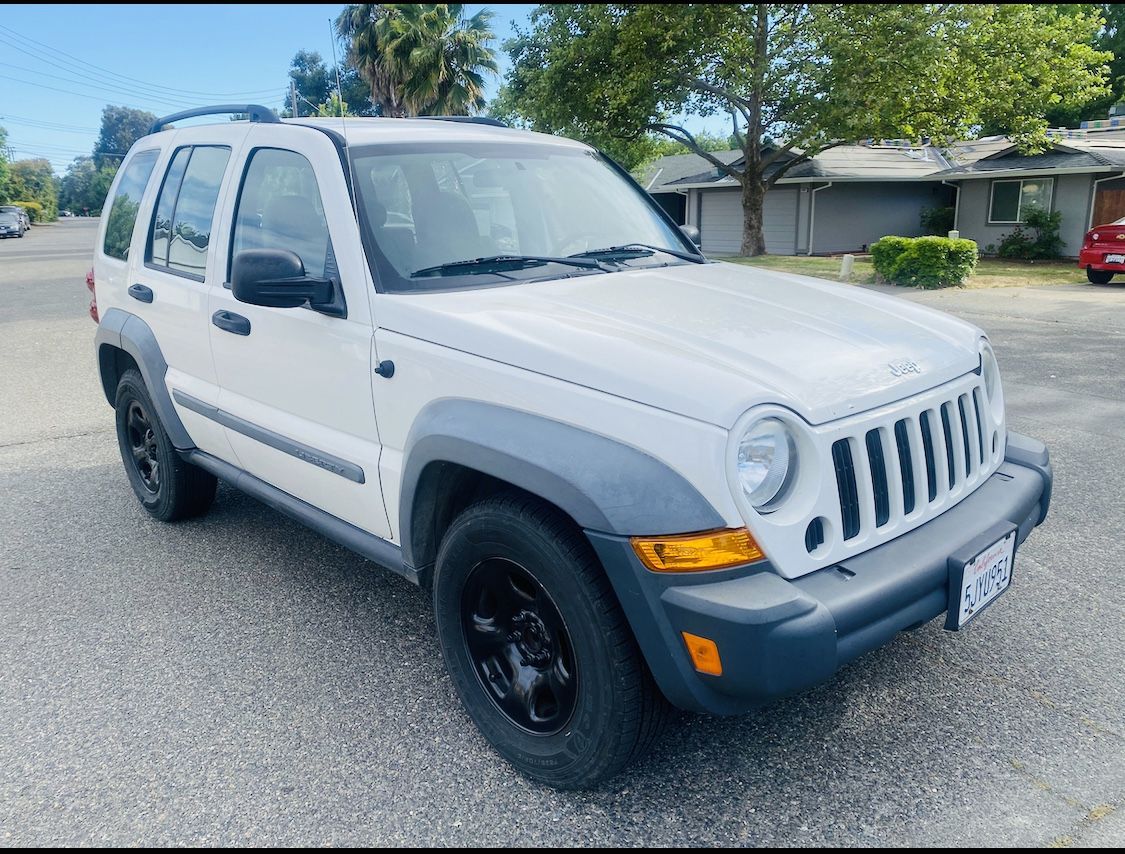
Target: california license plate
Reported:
point(1114, 259)
point(977, 582)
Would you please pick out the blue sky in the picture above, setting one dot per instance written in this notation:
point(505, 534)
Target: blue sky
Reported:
point(61, 64)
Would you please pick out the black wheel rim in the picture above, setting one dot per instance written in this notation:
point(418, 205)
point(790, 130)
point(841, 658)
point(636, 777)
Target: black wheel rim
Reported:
point(519, 646)
point(142, 446)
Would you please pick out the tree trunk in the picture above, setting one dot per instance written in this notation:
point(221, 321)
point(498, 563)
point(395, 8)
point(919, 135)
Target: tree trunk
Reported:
point(753, 201)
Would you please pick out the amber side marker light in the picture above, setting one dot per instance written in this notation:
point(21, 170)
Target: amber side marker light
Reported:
point(704, 654)
point(698, 552)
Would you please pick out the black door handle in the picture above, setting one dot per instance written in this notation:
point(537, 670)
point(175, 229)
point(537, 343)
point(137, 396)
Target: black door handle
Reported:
point(141, 292)
point(231, 322)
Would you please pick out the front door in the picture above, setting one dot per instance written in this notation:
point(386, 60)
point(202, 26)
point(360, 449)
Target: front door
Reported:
point(295, 384)
point(1109, 205)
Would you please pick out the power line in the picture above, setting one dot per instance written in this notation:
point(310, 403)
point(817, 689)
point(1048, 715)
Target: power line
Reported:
point(67, 149)
point(133, 81)
point(116, 90)
point(54, 126)
point(101, 98)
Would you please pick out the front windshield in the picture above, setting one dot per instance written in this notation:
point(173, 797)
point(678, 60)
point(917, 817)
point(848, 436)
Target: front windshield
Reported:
point(423, 206)
point(8, 218)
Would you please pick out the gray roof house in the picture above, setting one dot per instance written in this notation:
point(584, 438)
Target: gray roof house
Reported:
point(846, 198)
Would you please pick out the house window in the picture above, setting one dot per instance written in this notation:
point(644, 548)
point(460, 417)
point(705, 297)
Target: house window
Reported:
point(1011, 200)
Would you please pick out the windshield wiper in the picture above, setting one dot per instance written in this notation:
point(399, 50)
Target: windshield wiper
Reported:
point(636, 250)
point(502, 263)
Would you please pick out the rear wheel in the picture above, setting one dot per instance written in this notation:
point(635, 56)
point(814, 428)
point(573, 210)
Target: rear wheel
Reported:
point(537, 645)
point(167, 487)
point(1098, 277)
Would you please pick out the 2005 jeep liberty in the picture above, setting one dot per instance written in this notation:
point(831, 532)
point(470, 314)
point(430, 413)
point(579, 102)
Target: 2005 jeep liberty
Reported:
point(485, 359)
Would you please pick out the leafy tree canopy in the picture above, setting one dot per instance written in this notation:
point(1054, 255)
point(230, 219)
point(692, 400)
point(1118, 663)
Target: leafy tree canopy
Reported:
point(1110, 38)
point(121, 127)
point(34, 181)
point(315, 82)
point(810, 76)
point(5, 195)
point(420, 58)
point(84, 186)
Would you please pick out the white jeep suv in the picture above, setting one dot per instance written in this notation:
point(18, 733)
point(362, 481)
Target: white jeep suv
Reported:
point(485, 359)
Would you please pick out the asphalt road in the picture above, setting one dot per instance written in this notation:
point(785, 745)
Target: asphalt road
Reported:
point(239, 680)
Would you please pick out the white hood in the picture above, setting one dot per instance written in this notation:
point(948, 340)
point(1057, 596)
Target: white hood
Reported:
point(704, 341)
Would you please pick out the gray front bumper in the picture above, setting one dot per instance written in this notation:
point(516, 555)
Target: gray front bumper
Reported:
point(777, 637)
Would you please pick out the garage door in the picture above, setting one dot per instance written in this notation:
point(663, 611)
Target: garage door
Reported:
point(721, 221)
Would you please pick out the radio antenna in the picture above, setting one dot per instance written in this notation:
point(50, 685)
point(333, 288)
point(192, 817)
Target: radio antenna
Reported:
point(343, 121)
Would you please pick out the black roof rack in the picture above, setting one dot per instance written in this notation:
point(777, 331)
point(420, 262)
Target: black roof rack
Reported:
point(474, 120)
point(257, 113)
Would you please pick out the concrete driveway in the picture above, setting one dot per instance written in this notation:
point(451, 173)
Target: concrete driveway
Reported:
point(239, 680)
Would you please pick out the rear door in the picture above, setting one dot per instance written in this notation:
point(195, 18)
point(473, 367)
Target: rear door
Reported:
point(171, 279)
point(296, 396)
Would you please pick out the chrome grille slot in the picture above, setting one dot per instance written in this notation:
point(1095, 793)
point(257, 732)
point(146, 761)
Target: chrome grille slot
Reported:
point(847, 487)
point(928, 450)
point(910, 464)
point(947, 434)
point(978, 405)
point(878, 478)
point(961, 401)
point(905, 465)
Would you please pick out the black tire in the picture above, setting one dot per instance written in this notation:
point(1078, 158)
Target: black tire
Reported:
point(576, 636)
point(1099, 277)
point(167, 487)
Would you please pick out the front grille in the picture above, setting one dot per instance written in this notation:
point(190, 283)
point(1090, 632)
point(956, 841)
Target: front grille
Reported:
point(898, 469)
point(847, 486)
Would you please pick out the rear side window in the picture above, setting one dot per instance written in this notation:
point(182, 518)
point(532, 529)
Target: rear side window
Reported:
point(126, 203)
point(166, 207)
point(279, 207)
point(185, 211)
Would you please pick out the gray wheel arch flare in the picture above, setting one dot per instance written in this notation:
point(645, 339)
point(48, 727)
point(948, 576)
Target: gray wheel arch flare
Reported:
point(120, 330)
point(602, 484)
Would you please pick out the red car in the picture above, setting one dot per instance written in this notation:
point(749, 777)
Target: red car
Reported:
point(1103, 252)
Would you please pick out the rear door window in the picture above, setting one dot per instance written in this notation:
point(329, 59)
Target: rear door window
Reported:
point(126, 203)
point(185, 211)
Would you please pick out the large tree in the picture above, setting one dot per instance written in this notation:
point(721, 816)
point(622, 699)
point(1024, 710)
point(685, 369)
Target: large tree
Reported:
point(5, 195)
point(34, 180)
point(420, 58)
point(810, 76)
point(315, 82)
point(84, 186)
point(312, 79)
point(121, 127)
point(1110, 38)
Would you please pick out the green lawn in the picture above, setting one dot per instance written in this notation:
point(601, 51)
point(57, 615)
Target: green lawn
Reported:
point(990, 272)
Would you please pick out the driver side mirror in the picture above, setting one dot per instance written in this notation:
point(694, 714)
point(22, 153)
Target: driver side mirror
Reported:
point(276, 278)
point(691, 232)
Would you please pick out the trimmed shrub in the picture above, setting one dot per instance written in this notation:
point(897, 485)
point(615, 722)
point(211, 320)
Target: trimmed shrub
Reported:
point(1045, 243)
point(938, 221)
point(924, 262)
point(885, 253)
point(34, 210)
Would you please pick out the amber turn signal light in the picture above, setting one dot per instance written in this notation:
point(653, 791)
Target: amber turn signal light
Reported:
point(698, 552)
point(704, 654)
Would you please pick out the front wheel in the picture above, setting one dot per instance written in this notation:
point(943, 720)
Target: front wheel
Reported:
point(538, 648)
point(1098, 277)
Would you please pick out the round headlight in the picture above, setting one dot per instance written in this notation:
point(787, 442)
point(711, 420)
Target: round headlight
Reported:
point(767, 459)
point(992, 389)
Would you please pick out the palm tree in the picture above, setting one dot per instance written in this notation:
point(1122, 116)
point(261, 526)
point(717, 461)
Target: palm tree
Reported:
point(420, 58)
point(358, 25)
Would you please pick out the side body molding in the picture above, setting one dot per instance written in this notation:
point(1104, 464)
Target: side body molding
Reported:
point(602, 484)
point(121, 330)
